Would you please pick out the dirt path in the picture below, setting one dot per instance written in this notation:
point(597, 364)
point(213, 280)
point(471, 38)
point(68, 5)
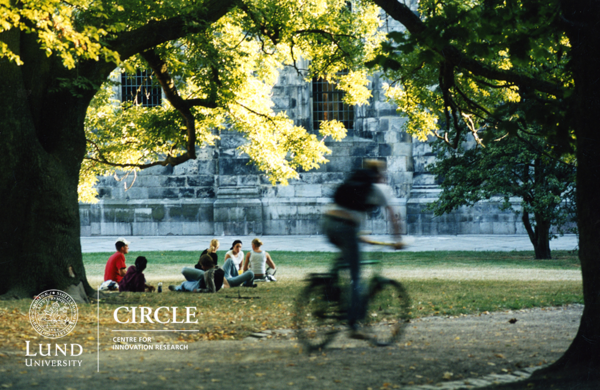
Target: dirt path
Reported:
point(434, 351)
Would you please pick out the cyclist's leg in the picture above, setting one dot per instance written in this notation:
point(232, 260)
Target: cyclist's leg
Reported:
point(344, 235)
point(351, 254)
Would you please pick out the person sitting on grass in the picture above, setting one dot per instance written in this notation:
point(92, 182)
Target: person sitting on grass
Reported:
point(115, 266)
point(258, 260)
point(233, 279)
point(211, 251)
point(209, 279)
point(235, 254)
point(134, 280)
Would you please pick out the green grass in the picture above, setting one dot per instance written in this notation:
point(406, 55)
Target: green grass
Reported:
point(439, 297)
point(272, 305)
point(566, 260)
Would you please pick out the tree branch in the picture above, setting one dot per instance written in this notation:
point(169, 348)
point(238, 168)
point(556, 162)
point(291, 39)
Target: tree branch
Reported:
point(153, 33)
point(454, 56)
point(101, 159)
point(166, 82)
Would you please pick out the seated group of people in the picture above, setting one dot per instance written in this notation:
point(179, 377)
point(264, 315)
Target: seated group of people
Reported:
point(205, 277)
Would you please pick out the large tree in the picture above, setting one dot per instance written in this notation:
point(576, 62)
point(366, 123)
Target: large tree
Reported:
point(509, 167)
point(215, 61)
point(547, 52)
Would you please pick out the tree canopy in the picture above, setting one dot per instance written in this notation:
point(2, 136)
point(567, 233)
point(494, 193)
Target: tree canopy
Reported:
point(469, 67)
point(216, 63)
point(510, 167)
point(495, 72)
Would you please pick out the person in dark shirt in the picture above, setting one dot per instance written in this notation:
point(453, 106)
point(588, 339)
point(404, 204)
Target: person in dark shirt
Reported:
point(211, 251)
point(134, 280)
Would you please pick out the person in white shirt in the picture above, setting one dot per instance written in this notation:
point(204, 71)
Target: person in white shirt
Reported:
point(232, 265)
point(257, 260)
point(235, 254)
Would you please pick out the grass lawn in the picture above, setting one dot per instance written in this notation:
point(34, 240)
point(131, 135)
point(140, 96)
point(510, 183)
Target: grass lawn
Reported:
point(271, 305)
point(566, 260)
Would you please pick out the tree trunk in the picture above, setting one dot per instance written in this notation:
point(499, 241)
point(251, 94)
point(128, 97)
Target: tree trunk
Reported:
point(583, 17)
point(542, 233)
point(539, 235)
point(42, 144)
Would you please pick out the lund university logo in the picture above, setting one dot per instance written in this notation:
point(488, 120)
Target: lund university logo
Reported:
point(53, 314)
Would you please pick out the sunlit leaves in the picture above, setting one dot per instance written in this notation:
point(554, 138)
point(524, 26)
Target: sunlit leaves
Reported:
point(334, 129)
point(234, 64)
point(58, 33)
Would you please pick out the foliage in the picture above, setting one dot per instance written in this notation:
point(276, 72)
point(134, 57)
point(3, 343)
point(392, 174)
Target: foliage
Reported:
point(224, 75)
point(55, 25)
point(508, 167)
point(497, 71)
point(487, 68)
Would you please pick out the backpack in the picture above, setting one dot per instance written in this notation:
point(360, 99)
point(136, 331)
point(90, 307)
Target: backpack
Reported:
point(352, 193)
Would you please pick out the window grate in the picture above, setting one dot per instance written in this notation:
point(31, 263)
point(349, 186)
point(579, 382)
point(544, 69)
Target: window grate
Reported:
point(328, 105)
point(140, 89)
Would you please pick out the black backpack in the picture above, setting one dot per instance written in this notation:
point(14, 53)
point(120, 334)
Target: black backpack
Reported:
point(352, 193)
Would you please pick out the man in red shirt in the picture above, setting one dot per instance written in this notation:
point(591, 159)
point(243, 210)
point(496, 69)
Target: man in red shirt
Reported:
point(115, 266)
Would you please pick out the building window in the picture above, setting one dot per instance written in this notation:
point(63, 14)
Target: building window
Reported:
point(328, 105)
point(140, 90)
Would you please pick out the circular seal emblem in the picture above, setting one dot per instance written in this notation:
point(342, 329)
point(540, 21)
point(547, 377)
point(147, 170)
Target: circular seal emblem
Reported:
point(53, 314)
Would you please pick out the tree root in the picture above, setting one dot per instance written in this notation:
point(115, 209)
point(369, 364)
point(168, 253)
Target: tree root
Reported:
point(16, 293)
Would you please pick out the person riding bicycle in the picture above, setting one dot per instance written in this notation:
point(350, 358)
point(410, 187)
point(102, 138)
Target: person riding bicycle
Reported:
point(362, 192)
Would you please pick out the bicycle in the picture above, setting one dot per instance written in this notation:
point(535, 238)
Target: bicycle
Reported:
point(322, 307)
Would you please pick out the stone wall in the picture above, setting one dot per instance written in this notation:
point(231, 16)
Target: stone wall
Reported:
point(220, 193)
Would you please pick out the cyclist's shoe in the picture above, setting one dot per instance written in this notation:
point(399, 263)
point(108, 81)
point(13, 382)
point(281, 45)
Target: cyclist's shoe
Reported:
point(252, 285)
point(172, 288)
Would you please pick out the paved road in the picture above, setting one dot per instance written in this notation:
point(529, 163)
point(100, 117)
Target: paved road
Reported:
point(479, 242)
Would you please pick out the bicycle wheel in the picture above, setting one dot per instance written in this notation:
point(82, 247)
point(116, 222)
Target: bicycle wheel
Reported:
point(387, 311)
point(318, 314)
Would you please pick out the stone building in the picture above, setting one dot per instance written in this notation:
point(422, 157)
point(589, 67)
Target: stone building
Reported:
point(220, 193)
